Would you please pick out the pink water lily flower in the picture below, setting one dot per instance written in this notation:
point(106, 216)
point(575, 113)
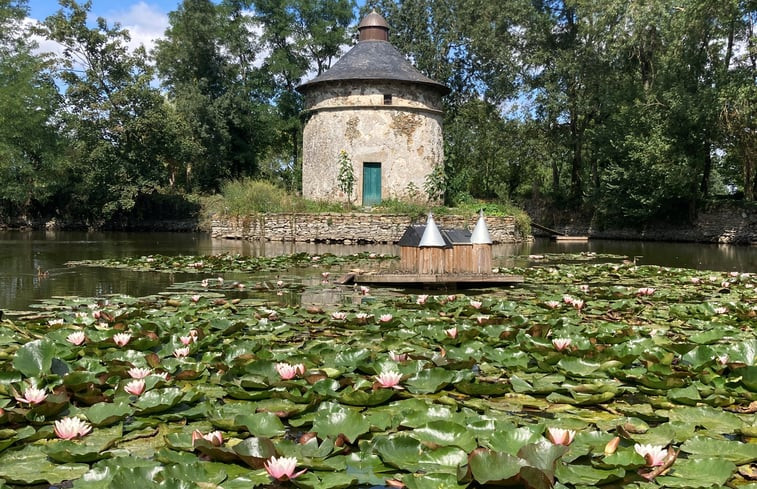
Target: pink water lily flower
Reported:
point(361, 316)
point(215, 438)
point(135, 387)
point(653, 454)
point(421, 299)
point(720, 310)
point(389, 379)
point(338, 315)
point(32, 395)
point(476, 304)
point(451, 332)
point(121, 339)
point(560, 436)
point(76, 338)
point(398, 357)
point(385, 318)
point(364, 290)
point(139, 372)
point(69, 428)
point(325, 275)
point(583, 288)
point(282, 468)
point(185, 340)
point(287, 371)
point(722, 359)
point(645, 291)
point(181, 352)
point(552, 304)
point(482, 319)
point(195, 298)
point(561, 343)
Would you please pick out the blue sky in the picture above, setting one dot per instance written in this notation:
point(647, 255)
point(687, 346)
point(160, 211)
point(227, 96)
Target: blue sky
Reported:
point(145, 19)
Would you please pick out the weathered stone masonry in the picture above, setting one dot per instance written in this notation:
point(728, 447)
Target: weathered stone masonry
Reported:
point(348, 228)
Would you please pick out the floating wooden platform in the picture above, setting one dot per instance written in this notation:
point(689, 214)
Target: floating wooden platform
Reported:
point(461, 280)
point(571, 239)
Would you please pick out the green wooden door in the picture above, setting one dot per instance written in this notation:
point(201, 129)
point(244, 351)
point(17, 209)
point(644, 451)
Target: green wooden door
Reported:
point(371, 184)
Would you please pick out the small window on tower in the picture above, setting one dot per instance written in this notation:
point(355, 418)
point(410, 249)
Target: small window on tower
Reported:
point(387, 99)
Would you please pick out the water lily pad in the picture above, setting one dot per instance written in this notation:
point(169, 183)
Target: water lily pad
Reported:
point(490, 466)
point(737, 452)
point(445, 433)
point(35, 358)
point(30, 465)
point(585, 475)
point(265, 425)
point(332, 420)
point(698, 472)
point(87, 449)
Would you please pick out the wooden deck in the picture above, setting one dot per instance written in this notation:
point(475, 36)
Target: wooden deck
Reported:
point(571, 239)
point(461, 280)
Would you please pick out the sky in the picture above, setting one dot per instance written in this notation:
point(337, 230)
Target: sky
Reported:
point(146, 20)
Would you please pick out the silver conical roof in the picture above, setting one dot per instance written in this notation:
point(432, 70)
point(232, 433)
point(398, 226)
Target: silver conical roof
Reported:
point(431, 235)
point(481, 232)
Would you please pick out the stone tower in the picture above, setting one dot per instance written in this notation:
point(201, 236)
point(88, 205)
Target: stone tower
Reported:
point(384, 113)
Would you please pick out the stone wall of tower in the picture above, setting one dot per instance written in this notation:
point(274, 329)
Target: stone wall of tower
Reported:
point(404, 135)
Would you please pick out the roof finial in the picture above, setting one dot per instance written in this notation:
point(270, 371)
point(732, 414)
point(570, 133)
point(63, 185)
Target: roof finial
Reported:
point(373, 27)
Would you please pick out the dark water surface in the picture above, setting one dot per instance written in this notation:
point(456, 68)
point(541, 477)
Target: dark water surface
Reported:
point(33, 264)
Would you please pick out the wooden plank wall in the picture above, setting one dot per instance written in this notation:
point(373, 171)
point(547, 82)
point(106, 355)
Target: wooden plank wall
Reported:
point(482, 258)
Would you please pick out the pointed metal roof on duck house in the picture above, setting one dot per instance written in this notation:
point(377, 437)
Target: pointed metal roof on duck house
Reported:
point(482, 246)
point(425, 249)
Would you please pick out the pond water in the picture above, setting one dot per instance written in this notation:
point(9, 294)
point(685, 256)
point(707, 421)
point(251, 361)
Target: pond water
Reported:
point(33, 264)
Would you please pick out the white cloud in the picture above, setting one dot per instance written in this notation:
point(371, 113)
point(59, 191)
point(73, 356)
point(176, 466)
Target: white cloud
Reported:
point(145, 23)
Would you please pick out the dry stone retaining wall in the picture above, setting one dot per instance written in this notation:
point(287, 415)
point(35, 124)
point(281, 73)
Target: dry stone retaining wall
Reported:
point(347, 228)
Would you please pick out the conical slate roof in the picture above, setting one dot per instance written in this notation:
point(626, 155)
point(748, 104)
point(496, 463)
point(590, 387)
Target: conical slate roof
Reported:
point(431, 235)
point(375, 60)
point(481, 231)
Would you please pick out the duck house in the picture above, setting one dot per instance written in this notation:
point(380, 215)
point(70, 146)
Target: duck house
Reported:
point(426, 250)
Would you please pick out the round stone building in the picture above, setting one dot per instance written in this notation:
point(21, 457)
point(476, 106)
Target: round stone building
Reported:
point(384, 113)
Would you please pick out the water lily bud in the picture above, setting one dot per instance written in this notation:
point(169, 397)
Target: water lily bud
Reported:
point(612, 446)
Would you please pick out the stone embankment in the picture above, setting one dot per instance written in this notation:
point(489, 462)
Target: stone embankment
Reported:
point(346, 228)
point(726, 224)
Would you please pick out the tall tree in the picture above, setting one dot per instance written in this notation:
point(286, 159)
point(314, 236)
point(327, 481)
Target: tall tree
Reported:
point(206, 64)
point(30, 149)
point(301, 38)
point(116, 120)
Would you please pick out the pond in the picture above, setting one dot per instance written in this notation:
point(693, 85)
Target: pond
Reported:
point(33, 264)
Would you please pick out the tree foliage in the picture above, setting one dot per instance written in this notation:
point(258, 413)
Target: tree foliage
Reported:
point(629, 111)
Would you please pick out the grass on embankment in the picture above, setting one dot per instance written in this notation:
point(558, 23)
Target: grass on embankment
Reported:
point(247, 197)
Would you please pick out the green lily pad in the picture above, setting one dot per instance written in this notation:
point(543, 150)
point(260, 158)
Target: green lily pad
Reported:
point(86, 449)
point(265, 425)
point(737, 452)
point(35, 358)
point(698, 472)
point(332, 420)
point(30, 465)
point(445, 433)
point(489, 466)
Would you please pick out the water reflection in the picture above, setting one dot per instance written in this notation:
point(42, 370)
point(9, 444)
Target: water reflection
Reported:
point(33, 264)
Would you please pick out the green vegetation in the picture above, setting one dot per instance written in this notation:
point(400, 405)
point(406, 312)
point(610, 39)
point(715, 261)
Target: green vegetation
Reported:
point(248, 197)
point(615, 110)
point(595, 372)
